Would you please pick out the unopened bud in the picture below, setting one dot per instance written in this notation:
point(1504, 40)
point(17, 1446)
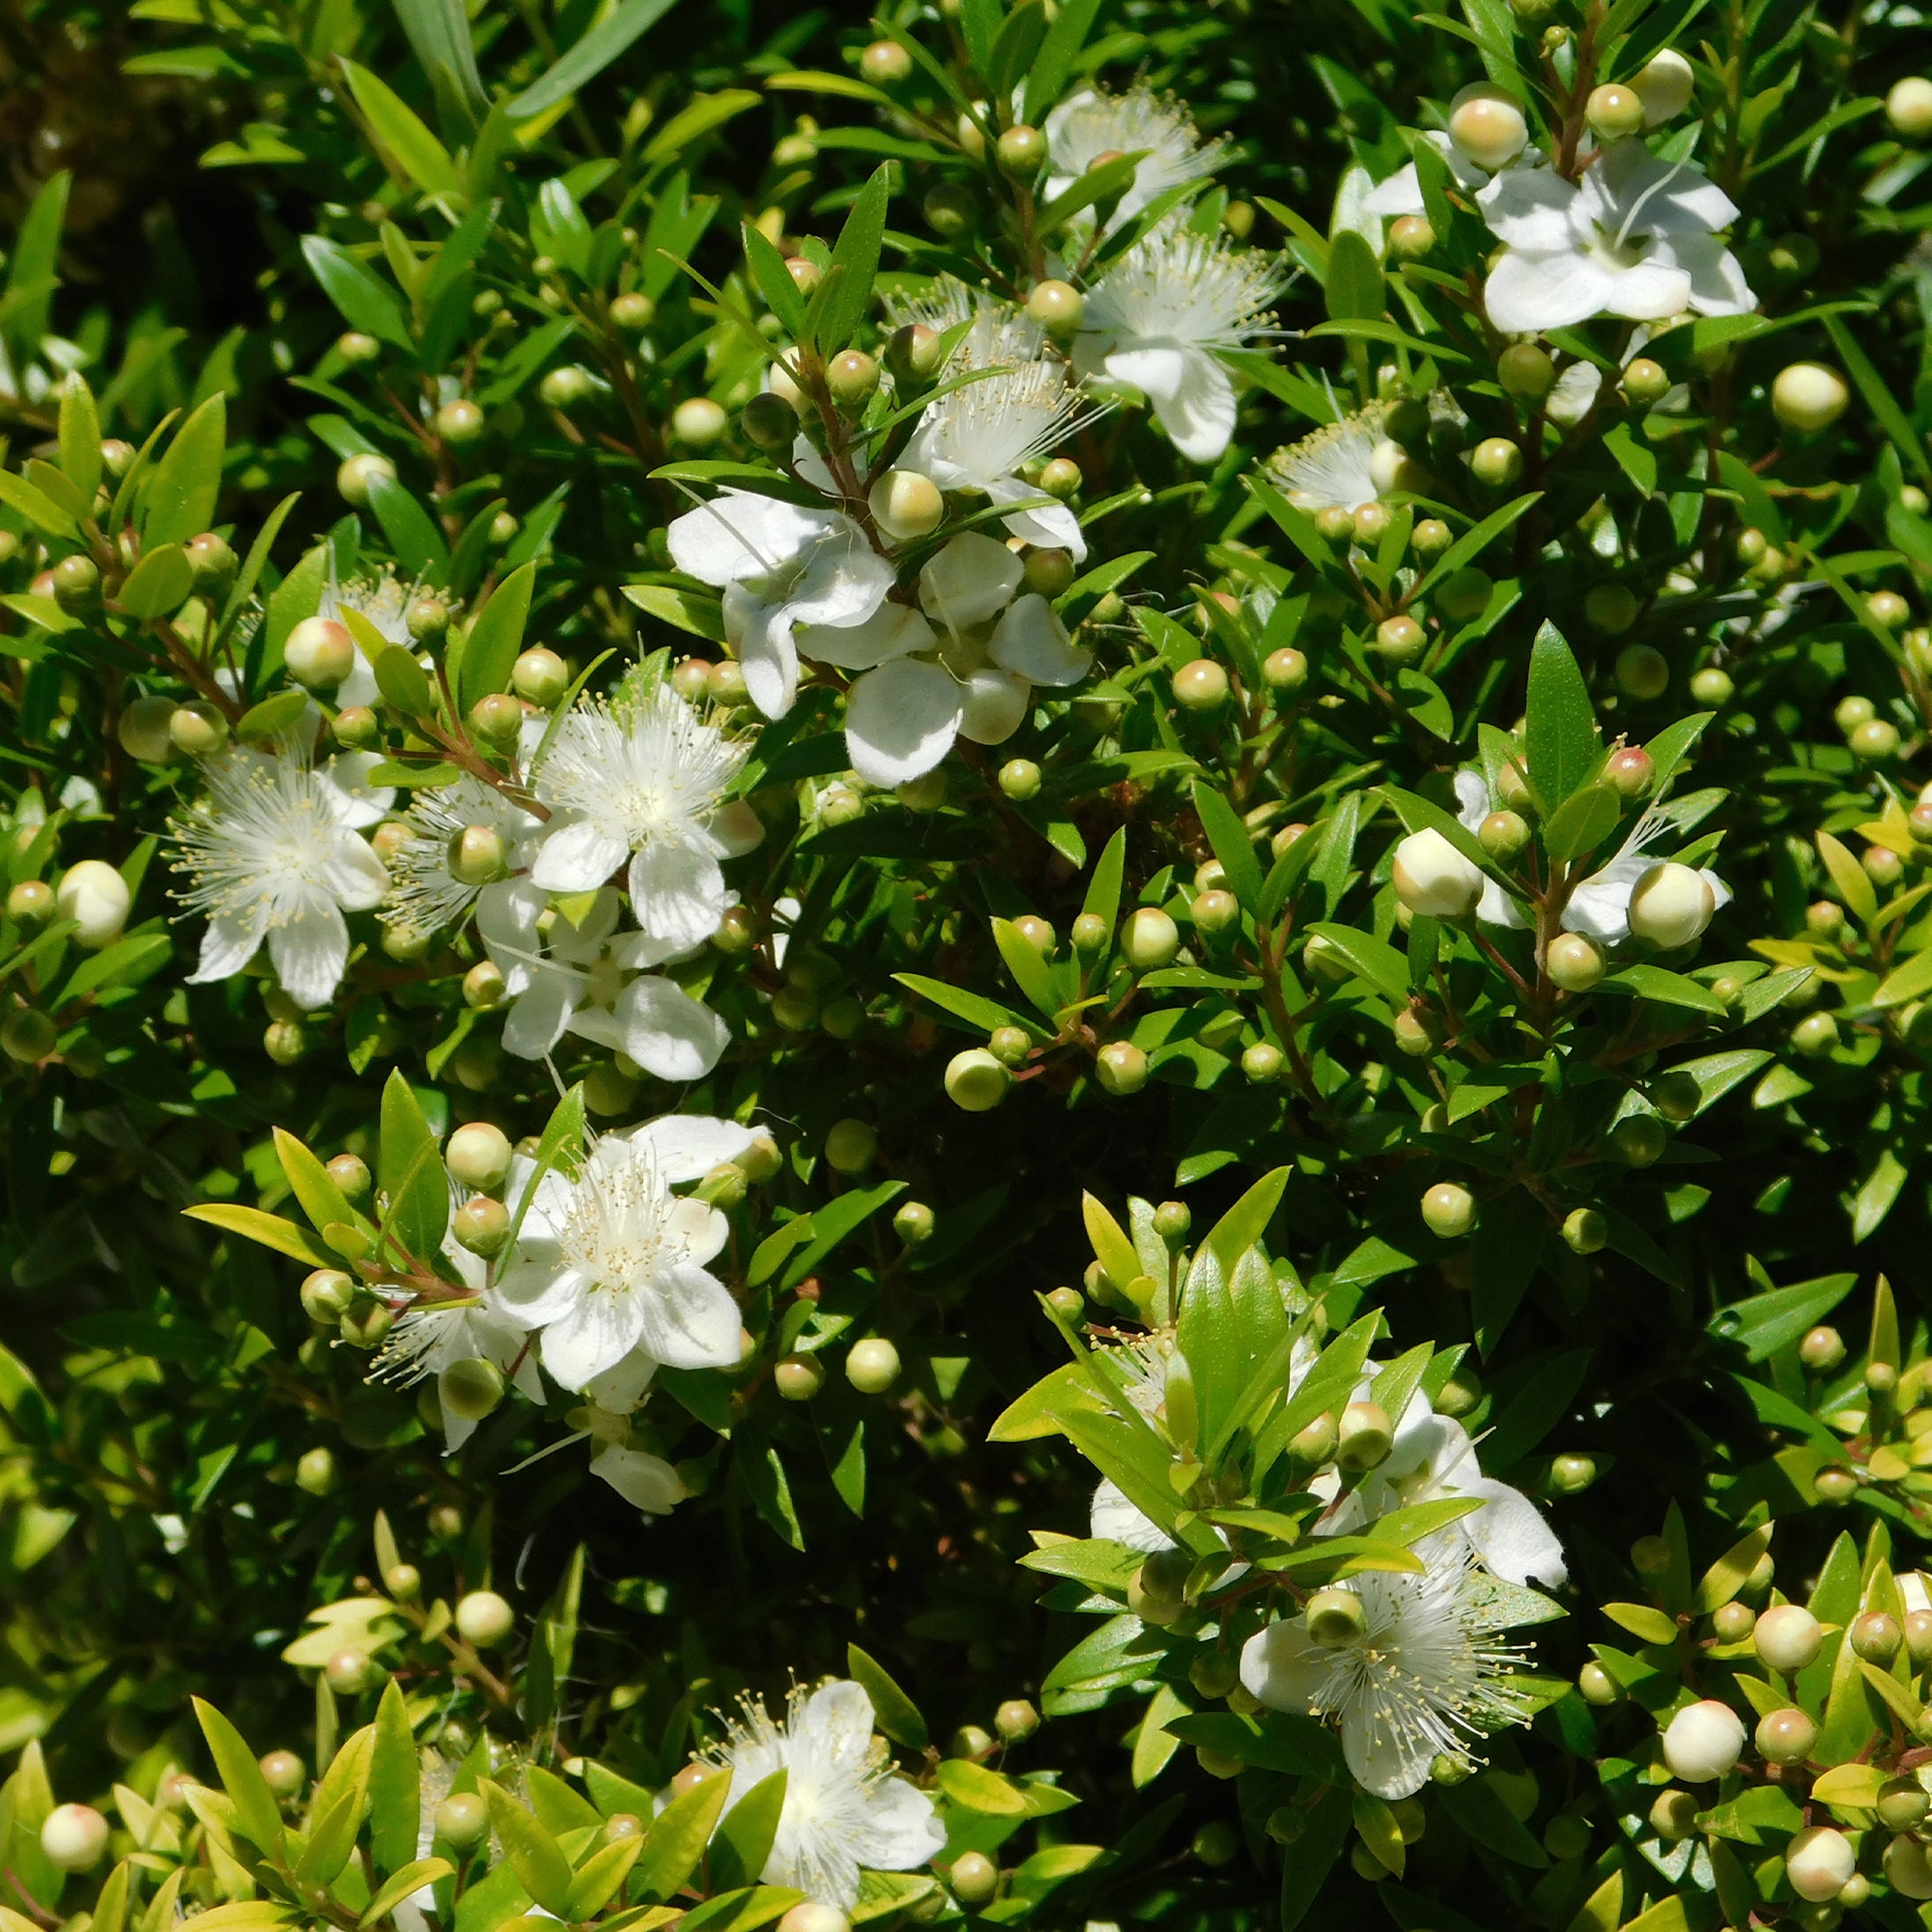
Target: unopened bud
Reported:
point(1364, 1436)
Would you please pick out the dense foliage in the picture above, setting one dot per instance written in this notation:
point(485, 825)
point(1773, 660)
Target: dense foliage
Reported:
point(965, 966)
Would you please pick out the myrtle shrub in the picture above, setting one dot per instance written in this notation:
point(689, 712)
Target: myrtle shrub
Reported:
point(965, 966)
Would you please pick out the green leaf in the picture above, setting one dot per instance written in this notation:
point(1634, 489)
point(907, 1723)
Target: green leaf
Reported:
point(256, 1812)
point(80, 437)
point(1560, 726)
point(534, 1855)
point(410, 1171)
point(606, 41)
point(1854, 883)
point(1878, 397)
point(180, 495)
point(678, 1835)
point(33, 271)
point(742, 1842)
point(411, 531)
point(404, 682)
point(364, 301)
point(394, 1783)
point(599, 1878)
point(1054, 62)
point(1727, 1576)
point(896, 1714)
point(332, 1838)
point(1232, 845)
point(495, 638)
point(396, 125)
point(855, 264)
point(1028, 970)
point(971, 1009)
point(408, 1878)
point(980, 1789)
point(1581, 823)
point(160, 582)
point(439, 34)
point(34, 505)
point(268, 1229)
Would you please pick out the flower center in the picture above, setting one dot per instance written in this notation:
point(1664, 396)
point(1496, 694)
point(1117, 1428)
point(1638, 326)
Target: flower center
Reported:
point(617, 1232)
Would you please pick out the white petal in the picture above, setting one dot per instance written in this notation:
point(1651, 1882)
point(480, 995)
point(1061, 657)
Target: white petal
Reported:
point(900, 721)
point(993, 705)
point(1051, 525)
point(227, 946)
point(596, 1332)
point(618, 1390)
point(533, 1288)
point(1526, 292)
point(677, 892)
point(766, 654)
point(536, 1022)
point(893, 630)
point(577, 858)
point(685, 1147)
point(1530, 208)
point(666, 1032)
point(1030, 639)
point(1400, 194)
point(1510, 1535)
point(736, 828)
point(1157, 369)
point(740, 534)
point(1113, 1519)
point(646, 1482)
point(1285, 1667)
point(1199, 415)
point(845, 583)
point(1472, 805)
point(356, 875)
point(1651, 290)
point(1717, 285)
point(1575, 394)
point(900, 1828)
point(688, 1319)
point(309, 954)
point(972, 579)
point(1388, 1765)
point(1675, 197)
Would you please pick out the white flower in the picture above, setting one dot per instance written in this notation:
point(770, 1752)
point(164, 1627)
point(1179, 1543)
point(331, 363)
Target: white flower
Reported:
point(435, 1335)
point(1636, 237)
point(384, 603)
point(1424, 1679)
point(1402, 194)
point(842, 1811)
point(585, 981)
point(1334, 468)
point(610, 1262)
point(779, 566)
point(1433, 1458)
point(273, 854)
point(1162, 315)
point(964, 664)
point(425, 896)
point(1089, 124)
point(642, 777)
point(1599, 908)
point(978, 439)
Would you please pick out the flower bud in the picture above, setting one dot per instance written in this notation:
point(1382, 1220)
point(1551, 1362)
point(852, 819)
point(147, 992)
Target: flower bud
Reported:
point(1058, 307)
point(1615, 113)
point(1285, 670)
point(885, 63)
point(1262, 1063)
point(354, 347)
point(1449, 1210)
point(1016, 1720)
point(142, 729)
point(1907, 1869)
point(1155, 1592)
point(1610, 609)
point(1496, 460)
point(1411, 237)
point(913, 354)
point(32, 903)
point(1808, 397)
point(482, 1617)
point(1821, 1350)
point(872, 1365)
point(1574, 963)
point(1876, 1636)
point(482, 1225)
point(28, 1035)
point(1673, 1816)
point(1503, 835)
point(1909, 107)
point(1019, 780)
point(1903, 1804)
point(1786, 1737)
point(569, 387)
point(798, 1378)
point(1335, 1619)
point(1487, 126)
point(327, 1294)
point(1874, 740)
point(906, 504)
point(1817, 1861)
point(1703, 1742)
point(461, 1821)
point(1060, 477)
point(976, 1081)
point(198, 730)
point(478, 1156)
point(1400, 640)
point(1526, 372)
point(1121, 1067)
point(1572, 1473)
point(810, 1916)
point(541, 677)
point(1665, 85)
point(1150, 939)
point(1585, 1231)
point(74, 1838)
point(974, 1878)
point(852, 375)
point(1433, 878)
point(851, 1145)
point(1671, 905)
point(95, 897)
point(1215, 911)
point(319, 654)
point(1021, 152)
point(473, 1387)
point(1642, 672)
point(315, 1472)
point(632, 311)
point(355, 477)
point(460, 423)
point(1364, 1436)
point(283, 1772)
point(1200, 686)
